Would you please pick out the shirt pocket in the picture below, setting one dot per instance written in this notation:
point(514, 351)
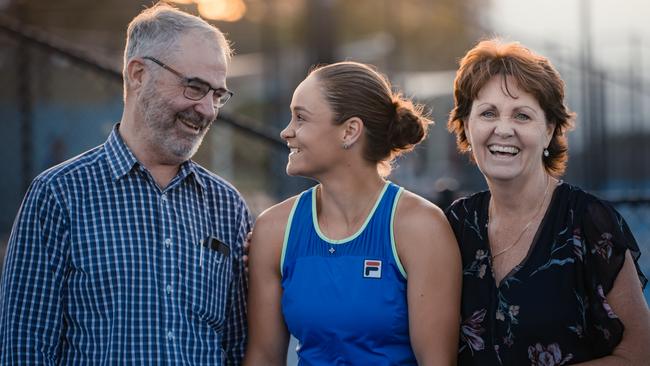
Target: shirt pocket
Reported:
point(207, 283)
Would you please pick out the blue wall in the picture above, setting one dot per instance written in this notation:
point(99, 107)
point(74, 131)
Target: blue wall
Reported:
point(59, 132)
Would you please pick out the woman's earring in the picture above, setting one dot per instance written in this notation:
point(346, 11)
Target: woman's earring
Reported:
point(469, 148)
point(546, 153)
point(345, 146)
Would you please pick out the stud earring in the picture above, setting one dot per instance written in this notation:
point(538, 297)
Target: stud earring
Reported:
point(546, 153)
point(345, 146)
point(469, 148)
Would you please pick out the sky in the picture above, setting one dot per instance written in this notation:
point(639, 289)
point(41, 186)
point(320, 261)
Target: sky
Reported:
point(556, 23)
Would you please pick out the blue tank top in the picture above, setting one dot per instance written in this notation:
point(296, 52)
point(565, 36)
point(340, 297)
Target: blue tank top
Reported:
point(345, 300)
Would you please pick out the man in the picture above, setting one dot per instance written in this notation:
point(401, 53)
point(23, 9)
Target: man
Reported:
point(131, 253)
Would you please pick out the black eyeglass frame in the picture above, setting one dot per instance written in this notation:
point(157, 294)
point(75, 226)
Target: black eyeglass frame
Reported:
point(221, 95)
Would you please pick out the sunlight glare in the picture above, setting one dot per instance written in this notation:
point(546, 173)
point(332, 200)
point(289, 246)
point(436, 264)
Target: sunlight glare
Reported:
point(226, 10)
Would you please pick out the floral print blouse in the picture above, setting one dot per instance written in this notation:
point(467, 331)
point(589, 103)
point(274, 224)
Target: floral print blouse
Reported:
point(551, 309)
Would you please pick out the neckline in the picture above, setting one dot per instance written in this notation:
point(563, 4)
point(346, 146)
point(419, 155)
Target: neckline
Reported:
point(533, 244)
point(314, 217)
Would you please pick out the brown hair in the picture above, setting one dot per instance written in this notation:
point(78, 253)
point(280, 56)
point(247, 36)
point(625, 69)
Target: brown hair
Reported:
point(393, 124)
point(533, 73)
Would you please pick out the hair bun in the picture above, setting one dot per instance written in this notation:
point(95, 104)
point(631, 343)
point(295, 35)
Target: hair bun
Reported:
point(409, 125)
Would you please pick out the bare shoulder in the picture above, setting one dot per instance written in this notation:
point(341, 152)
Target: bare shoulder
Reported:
point(421, 231)
point(416, 213)
point(268, 232)
point(276, 216)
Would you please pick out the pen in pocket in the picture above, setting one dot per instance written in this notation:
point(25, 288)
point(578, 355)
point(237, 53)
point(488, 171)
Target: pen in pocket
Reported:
point(201, 255)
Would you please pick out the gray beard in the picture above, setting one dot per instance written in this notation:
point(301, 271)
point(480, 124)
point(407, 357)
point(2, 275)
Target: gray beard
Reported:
point(162, 133)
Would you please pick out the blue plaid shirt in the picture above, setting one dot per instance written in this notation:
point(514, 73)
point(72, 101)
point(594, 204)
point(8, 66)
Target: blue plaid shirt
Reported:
point(105, 268)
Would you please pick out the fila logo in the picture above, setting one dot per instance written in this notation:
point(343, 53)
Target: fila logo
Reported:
point(371, 268)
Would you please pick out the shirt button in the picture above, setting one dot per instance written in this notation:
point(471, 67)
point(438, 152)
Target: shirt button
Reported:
point(170, 336)
point(164, 197)
point(169, 289)
point(168, 242)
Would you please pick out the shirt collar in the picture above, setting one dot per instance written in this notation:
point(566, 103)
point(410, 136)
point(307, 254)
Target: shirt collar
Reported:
point(121, 160)
point(119, 156)
point(190, 168)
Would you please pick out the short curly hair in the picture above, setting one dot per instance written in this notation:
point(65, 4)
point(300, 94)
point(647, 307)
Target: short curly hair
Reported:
point(533, 73)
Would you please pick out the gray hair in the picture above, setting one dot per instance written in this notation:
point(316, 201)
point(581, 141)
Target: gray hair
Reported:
point(156, 31)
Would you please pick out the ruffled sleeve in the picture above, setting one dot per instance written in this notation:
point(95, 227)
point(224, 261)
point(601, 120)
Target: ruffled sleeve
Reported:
point(607, 238)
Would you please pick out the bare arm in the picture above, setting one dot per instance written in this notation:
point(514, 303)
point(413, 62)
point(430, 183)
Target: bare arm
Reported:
point(627, 302)
point(428, 250)
point(268, 334)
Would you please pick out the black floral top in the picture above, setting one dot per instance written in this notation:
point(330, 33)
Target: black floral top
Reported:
point(551, 308)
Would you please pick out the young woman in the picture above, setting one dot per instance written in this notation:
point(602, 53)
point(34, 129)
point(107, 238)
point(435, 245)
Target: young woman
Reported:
point(359, 270)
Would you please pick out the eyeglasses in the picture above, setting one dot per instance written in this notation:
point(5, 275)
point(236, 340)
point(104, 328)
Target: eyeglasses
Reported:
point(196, 89)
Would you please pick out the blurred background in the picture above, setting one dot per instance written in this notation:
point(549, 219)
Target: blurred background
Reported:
point(60, 67)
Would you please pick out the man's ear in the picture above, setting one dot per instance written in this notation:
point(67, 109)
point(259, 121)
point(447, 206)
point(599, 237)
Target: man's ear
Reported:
point(135, 71)
point(352, 131)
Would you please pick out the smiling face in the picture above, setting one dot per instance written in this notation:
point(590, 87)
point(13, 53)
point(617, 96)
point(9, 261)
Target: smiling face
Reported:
point(174, 126)
point(313, 138)
point(508, 131)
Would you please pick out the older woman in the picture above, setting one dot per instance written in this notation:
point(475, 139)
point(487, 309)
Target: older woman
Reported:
point(549, 272)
